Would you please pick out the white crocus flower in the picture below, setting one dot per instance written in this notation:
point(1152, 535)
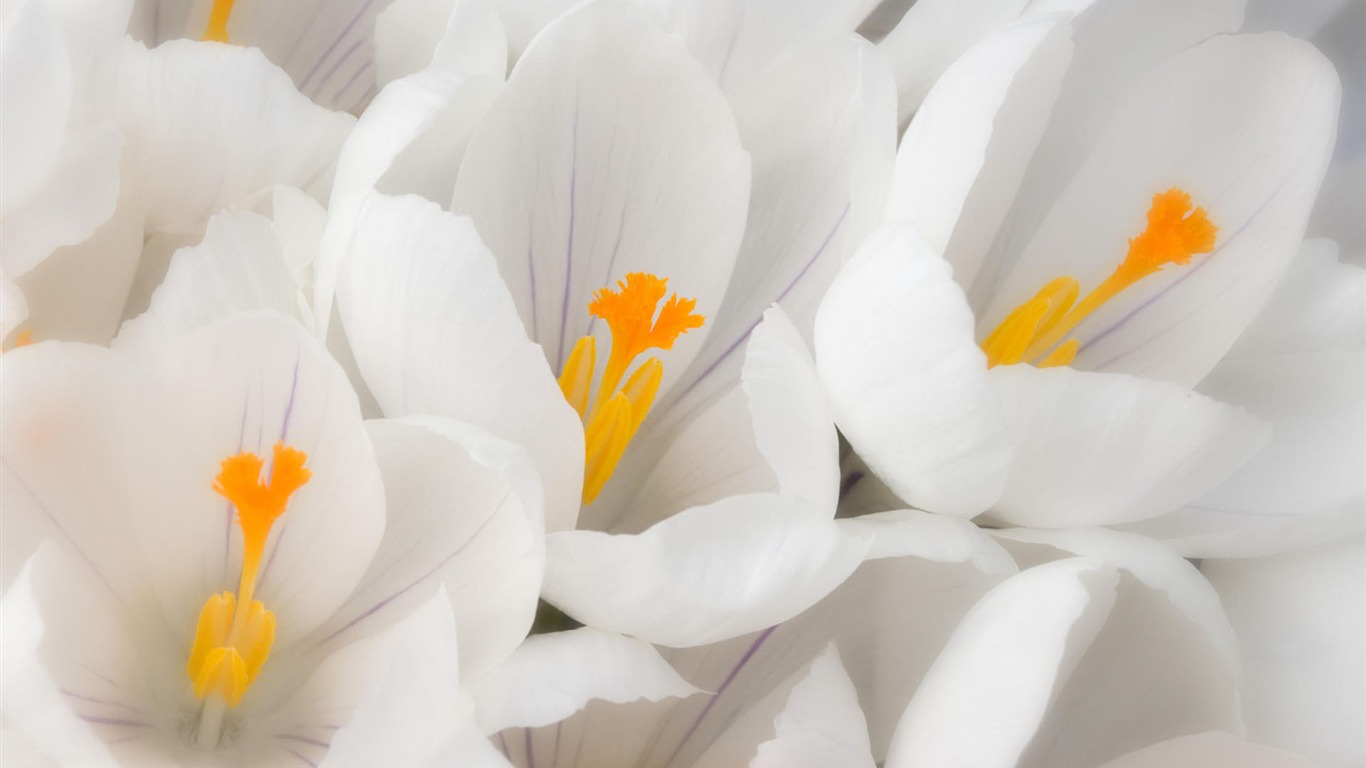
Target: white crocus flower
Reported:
point(240, 572)
point(612, 142)
point(204, 127)
point(1105, 430)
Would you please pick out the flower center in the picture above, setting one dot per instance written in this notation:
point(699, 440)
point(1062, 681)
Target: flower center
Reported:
point(618, 409)
point(217, 31)
point(235, 632)
point(1032, 331)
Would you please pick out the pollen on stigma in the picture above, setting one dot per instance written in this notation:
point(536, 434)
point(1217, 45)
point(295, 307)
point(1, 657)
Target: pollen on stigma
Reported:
point(612, 418)
point(1032, 332)
point(235, 631)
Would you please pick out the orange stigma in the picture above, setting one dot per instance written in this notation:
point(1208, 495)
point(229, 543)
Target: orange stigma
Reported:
point(618, 410)
point(217, 31)
point(1032, 331)
point(235, 632)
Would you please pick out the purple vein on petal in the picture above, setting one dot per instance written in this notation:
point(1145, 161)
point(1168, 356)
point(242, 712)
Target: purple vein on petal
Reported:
point(335, 42)
point(372, 610)
point(730, 678)
point(735, 345)
point(569, 240)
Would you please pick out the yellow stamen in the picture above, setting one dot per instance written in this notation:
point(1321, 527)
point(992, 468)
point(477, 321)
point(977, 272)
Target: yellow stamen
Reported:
point(217, 31)
point(235, 632)
point(618, 410)
point(1174, 234)
point(22, 339)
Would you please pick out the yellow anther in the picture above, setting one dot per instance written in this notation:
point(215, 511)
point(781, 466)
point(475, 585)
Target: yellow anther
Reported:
point(235, 632)
point(1064, 354)
point(217, 31)
point(618, 410)
point(576, 381)
point(1174, 234)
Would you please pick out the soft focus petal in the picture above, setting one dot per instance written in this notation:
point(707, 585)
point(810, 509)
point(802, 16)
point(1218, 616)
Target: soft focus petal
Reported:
point(238, 267)
point(704, 575)
point(325, 46)
point(1301, 624)
point(822, 724)
point(934, 33)
point(987, 693)
point(434, 332)
point(36, 713)
point(550, 677)
point(207, 126)
point(609, 151)
point(456, 524)
point(907, 384)
point(1098, 449)
point(820, 129)
point(1301, 366)
point(1166, 657)
point(963, 156)
point(78, 292)
point(1206, 749)
point(889, 619)
point(792, 420)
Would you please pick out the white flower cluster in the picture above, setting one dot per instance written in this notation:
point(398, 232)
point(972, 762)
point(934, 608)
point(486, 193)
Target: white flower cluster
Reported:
point(669, 383)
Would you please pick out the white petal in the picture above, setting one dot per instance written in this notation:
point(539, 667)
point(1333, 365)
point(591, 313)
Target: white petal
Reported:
point(1098, 449)
point(1114, 41)
point(1257, 115)
point(66, 409)
point(299, 221)
point(36, 83)
point(78, 293)
point(907, 383)
point(413, 706)
point(737, 41)
point(13, 307)
point(245, 384)
point(398, 117)
point(822, 724)
point(409, 34)
point(609, 151)
point(326, 46)
point(963, 156)
point(700, 459)
point(704, 575)
point(434, 332)
point(890, 619)
point(207, 126)
point(1166, 657)
point(1302, 366)
point(821, 132)
point(35, 710)
point(996, 676)
point(552, 676)
point(1206, 749)
point(792, 420)
point(455, 524)
point(77, 195)
point(934, 33)
point(238, 267)
point(1301, 624)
